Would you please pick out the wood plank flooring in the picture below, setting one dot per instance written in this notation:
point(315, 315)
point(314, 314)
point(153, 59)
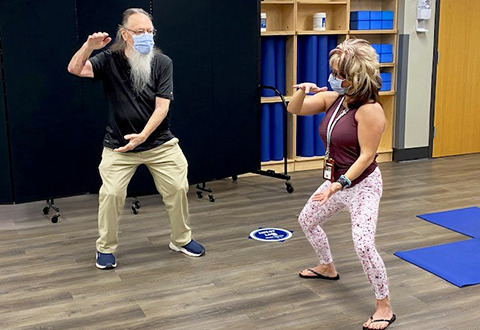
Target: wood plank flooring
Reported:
point(48, 279)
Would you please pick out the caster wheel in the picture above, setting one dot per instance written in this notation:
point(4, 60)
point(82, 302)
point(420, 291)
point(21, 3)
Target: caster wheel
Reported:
point(199, 194)
point(55, 219)
point(289, 186)
point(46, 209)
point(234, 178)
point(137, 204)
point(134, 210)
point(212, 199)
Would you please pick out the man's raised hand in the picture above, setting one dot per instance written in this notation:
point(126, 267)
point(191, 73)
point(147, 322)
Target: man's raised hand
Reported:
point(98, 40)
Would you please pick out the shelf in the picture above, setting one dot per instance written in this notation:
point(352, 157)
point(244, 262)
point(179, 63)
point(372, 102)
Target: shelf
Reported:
point(336, 15)
point(277, 162)
point(373, 32)
point(293, 19)
point(278, 33)
point(388, 93)
point(373, 5)
point(279, 166)
point(278, 2)
point(321, 2)
point(309, 159)
point(280, 16)
point(327, 32)
point(274, 99)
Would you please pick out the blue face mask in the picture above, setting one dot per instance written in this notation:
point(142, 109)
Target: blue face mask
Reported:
point(143, 43)
point(336, 85)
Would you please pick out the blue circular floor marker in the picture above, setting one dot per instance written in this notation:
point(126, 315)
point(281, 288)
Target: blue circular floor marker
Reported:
point(270, 234)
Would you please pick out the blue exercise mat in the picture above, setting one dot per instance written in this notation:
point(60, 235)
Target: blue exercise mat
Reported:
point(464, 221)
point(265, 132)
point(276, 131)
point(280, 68)
point(268, 65)
point(457, 263)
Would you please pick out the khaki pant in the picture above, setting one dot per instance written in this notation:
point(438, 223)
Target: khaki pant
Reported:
point(168, 166)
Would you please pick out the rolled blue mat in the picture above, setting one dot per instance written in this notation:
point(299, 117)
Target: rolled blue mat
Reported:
point(268, 65)
point(280, 79)
point(323, 72)
point(265, 133)
point(300, 64)
point(310, 59)
point(323, 69)
point(276, 131)
point(332, 42)
point(305, 136)
point(308, 48)
point(319, 147)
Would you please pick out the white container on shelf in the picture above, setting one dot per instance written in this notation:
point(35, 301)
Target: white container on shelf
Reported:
point(320, 22)
point(263, 22)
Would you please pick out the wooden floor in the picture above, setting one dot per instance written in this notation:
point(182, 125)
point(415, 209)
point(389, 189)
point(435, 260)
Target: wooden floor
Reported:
point(48, 279)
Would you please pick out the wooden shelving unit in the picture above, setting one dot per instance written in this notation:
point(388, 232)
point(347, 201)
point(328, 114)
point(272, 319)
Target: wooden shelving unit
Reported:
point(294, 18)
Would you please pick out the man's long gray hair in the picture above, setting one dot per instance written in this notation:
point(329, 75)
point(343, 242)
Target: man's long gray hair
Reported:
point(119, 43)
point(140, 65)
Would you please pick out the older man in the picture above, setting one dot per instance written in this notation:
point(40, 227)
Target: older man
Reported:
point(137, 79)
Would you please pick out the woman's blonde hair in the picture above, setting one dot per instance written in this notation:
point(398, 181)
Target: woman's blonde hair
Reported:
point(358, 63)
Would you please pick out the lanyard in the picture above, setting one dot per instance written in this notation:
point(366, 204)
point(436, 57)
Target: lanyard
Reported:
point(331, 124)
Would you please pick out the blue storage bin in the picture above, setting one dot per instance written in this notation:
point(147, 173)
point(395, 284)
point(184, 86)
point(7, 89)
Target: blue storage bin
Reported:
point(378, 49)
point(386, 58)
point(386, 49)
point(376, 15)
point(375, 25)
point(386, 77)
point(360, 16)
point(387, 25)
point(387, 15)
point(386, 86)
point(360, 25)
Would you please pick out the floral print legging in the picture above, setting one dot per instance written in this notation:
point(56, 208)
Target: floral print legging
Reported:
point(362, 201)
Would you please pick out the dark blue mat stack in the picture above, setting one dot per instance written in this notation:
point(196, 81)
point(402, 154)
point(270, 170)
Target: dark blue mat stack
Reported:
point(272, 117)
point(312, 67)
point(458, 262)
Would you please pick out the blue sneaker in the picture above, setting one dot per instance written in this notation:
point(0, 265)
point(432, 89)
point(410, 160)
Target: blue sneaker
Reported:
point(192, 249)
point(105, 261)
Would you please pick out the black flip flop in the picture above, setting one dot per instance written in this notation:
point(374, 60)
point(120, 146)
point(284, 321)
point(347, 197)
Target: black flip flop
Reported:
point(319, 276)
point(386, 321)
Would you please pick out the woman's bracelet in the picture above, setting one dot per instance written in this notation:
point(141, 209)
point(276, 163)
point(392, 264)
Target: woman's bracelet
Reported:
point(344, 181)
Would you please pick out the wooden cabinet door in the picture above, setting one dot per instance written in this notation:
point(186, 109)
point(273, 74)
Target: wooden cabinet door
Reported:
point(457, 105)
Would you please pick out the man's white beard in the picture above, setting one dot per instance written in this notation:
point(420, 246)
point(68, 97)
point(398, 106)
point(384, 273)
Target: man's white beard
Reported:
point(141, 69)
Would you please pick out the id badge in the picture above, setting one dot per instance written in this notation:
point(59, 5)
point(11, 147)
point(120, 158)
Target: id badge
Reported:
point(328, 169)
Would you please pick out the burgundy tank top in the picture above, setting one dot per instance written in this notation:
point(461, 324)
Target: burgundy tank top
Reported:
point(344, 146)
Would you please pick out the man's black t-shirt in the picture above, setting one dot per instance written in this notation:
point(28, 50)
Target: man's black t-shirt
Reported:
point(129, 112)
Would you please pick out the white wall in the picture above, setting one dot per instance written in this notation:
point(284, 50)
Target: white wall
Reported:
point(419, 81)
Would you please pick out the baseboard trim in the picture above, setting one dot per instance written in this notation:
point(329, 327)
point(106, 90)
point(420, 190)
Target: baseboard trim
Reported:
point(400, 155)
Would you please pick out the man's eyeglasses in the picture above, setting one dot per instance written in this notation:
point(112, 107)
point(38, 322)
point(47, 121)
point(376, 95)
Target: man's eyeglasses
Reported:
point(142, 32)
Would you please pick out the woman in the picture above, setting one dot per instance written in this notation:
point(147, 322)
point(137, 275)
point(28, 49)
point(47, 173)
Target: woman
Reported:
point(351, 132)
